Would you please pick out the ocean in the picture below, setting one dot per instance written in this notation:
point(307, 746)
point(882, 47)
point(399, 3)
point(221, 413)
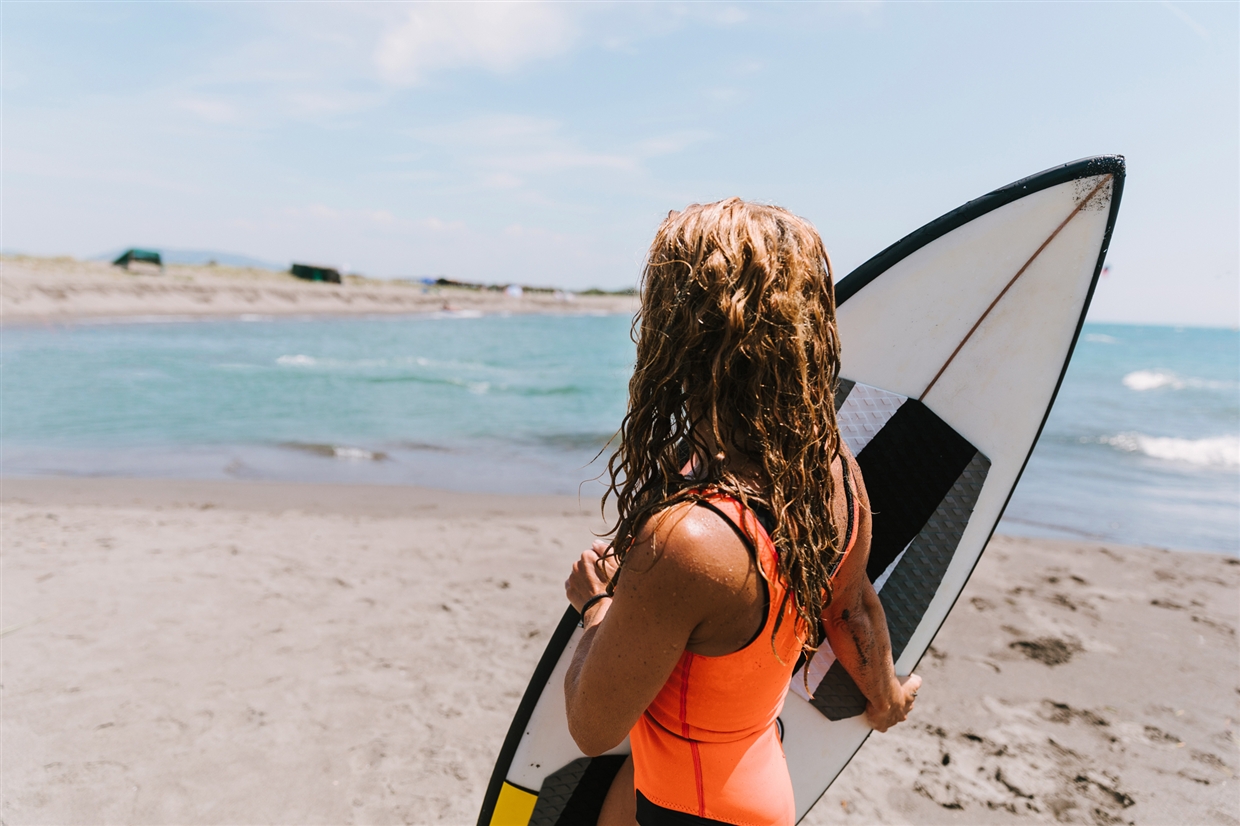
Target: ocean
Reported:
point(1142, 447)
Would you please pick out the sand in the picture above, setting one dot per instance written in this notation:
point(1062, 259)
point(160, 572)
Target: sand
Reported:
point(34, 290)
point(245, 653)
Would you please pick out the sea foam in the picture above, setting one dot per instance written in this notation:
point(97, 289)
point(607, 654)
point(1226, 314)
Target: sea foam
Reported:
point(356, 454)
point(1153, 379)
point(1216, 451)
point(337, 451)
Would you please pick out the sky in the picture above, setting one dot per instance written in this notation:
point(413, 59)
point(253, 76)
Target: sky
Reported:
point(543, 143)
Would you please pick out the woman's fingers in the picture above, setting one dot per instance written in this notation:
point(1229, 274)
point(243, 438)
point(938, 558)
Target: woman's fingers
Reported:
point(607, 562)
point(910, 684)
point(881, 720)
point(587, 578)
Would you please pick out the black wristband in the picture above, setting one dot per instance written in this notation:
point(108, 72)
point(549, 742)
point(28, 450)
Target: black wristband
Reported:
point(590, 604)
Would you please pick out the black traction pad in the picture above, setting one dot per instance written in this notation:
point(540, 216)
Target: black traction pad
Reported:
point(574, 795)
point(914, 582)
point(842, 389)
point(889, 463)
point(908, 467)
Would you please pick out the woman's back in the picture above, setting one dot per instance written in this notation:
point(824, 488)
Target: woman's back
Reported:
point(690, 636)
point(708, 744)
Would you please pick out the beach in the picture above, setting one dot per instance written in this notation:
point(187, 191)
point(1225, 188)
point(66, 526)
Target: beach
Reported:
point(256, 652)
point(40, 290)
point(238, 590)
point(325, 327)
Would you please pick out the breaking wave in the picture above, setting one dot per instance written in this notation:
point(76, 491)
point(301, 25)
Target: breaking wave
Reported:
point(1216, 451)
point(330, 451)
point(1153, 379)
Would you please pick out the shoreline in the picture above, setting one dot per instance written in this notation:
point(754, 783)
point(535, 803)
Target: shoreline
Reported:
point(49, 290)
point(205, 652)
point(263, 496)
point(387, 498)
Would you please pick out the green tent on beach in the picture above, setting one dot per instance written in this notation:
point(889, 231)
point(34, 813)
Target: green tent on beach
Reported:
point(314, 272)
point(144, 256)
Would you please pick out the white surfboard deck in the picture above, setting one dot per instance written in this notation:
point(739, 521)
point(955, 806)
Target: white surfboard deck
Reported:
point(955, 341)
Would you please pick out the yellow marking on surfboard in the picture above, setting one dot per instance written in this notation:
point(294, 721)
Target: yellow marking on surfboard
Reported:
point(514, 806)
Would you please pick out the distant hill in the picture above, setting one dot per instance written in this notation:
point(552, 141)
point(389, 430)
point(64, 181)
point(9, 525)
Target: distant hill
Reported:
point(226, 259)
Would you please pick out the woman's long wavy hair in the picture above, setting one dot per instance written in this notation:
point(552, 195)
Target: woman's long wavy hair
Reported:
point(737, 351)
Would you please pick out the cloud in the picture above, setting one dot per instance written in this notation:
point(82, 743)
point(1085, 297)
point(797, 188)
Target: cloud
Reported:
point(440, 225)
point(212, 111)
point(729, 15)
point(491, 131)
point(497, 36)
point(671, 143)
point(324, 217)
point(502, 180)
point(329, 62)
point(515, 145)
point(316, 103)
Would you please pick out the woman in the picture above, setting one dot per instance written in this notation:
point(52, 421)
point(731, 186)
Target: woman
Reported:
point(742, 522)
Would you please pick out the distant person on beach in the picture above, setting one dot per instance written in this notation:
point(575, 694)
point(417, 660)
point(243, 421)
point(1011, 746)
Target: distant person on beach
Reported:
point(743, 522)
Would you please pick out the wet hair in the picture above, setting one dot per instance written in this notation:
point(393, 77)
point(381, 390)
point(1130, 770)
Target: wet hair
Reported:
point(737, 350)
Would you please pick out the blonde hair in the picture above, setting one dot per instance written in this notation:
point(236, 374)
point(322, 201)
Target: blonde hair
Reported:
point(736, 334)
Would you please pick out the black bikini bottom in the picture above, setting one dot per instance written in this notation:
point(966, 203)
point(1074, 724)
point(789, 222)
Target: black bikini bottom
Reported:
point(652, 814)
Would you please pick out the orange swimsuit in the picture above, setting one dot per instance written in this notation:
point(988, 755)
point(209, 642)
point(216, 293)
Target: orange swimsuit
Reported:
point(708, 748)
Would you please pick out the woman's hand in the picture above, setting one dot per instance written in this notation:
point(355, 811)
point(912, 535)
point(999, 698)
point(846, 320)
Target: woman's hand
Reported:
point(590, 574)
point(904, 693)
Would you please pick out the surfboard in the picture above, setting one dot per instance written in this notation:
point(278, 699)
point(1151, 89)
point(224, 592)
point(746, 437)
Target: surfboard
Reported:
point(955, 341)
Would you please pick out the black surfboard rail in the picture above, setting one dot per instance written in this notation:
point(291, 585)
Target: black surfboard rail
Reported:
point(845, 288)
point(852, 283)
point(525, 709)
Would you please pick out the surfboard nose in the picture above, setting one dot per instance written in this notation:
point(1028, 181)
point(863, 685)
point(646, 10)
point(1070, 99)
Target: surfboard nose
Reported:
point(977, 320)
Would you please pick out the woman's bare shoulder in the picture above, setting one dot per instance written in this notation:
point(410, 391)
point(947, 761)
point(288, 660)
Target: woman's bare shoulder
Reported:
point(689, 541)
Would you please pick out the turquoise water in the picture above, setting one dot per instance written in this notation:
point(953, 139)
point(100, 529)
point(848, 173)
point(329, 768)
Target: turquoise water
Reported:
point(1143, 443)
point(1143, 446)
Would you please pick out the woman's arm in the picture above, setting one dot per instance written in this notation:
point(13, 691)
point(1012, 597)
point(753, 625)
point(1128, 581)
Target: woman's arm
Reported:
point(684, 566)
point(856, 628)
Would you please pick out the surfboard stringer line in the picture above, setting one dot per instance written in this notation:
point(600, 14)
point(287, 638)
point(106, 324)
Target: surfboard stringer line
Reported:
point(1075, 212)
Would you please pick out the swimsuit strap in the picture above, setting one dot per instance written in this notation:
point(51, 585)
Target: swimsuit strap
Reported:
point(850, 529)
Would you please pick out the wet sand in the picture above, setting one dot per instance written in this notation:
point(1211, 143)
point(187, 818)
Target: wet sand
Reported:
point(245, 653)
point(41, 290)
